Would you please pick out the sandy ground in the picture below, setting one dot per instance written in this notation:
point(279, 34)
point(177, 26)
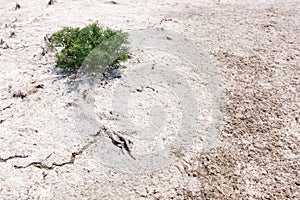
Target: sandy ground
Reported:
point(245, 143)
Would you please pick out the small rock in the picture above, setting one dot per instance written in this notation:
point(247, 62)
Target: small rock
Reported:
point(44, 52)
point(3, 44)
point(22, 92)
point(139, 90)
point(39, 86)
point(113, 2)
point(17, 6)
point(19, 94)
point(12, 34)
point(51, 2)
point(32, 81)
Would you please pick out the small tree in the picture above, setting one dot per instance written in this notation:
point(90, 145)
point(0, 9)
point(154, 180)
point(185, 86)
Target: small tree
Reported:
point(92, 46)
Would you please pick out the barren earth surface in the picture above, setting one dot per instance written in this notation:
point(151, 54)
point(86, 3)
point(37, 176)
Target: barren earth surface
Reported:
point(250, 152)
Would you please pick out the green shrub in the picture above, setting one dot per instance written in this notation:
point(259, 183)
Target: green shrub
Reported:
point(92, 46)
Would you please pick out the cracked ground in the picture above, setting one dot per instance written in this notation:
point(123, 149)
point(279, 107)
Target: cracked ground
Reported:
point(254, 45)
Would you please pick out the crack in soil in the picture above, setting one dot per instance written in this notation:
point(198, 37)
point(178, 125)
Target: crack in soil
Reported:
point(6, 107)
point(3, 120)
point(41, 165)
point(12, 157)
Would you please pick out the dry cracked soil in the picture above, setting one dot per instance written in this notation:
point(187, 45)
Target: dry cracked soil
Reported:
point(247, 136)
